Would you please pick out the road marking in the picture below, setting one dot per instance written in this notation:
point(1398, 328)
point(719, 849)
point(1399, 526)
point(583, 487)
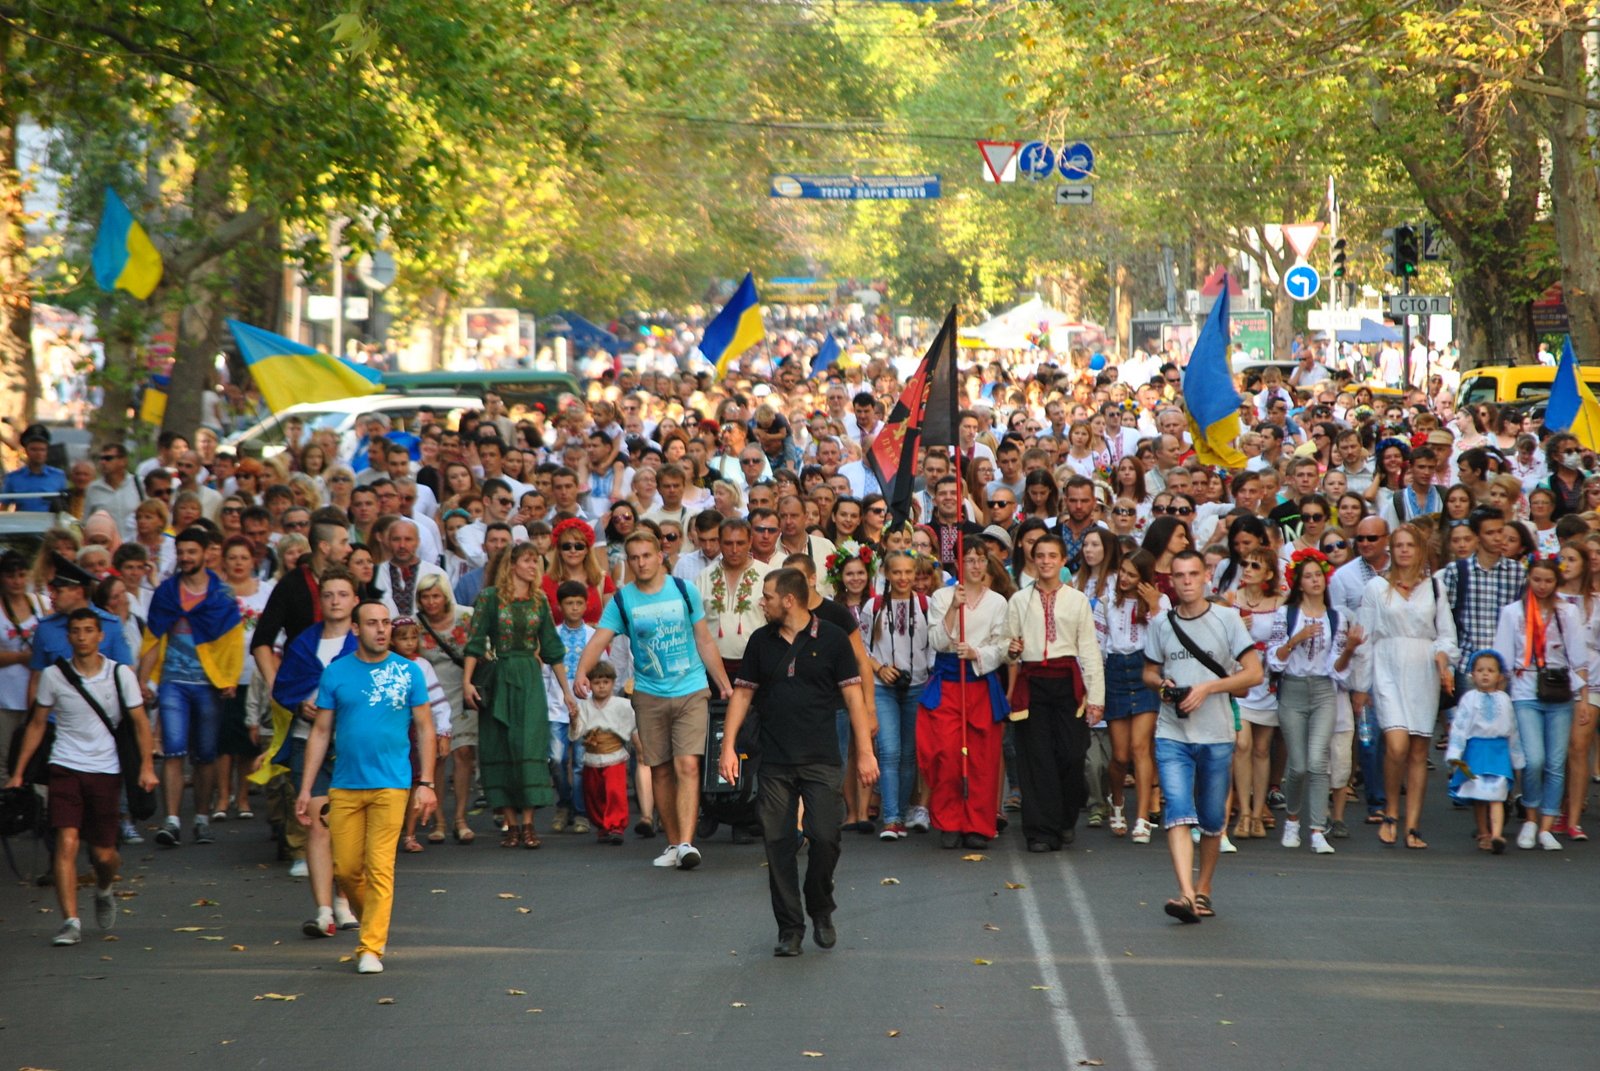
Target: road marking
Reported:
point(1132, 1037)
point(1067, 1032)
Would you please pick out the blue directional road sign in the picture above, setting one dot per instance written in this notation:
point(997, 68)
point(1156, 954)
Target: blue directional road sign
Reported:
point(1303, 282)
point(1036, 160)
point(1077, 162)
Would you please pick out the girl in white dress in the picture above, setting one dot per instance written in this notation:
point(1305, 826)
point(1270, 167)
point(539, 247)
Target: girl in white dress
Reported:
point(1257, 599)
point(1405, 661)
point(1484, 752)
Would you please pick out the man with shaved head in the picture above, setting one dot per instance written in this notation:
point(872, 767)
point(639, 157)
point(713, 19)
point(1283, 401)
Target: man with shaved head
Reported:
point(396, 579)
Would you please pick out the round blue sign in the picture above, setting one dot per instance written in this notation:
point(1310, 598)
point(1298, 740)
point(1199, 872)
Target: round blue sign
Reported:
point(1077, 162)
point(1036, 160)
point(1302, 281)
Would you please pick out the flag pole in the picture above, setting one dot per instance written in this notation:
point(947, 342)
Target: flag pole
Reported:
point(961, 593)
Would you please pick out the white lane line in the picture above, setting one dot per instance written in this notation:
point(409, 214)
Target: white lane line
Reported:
point(1066, 1024)
point(1132, 1037)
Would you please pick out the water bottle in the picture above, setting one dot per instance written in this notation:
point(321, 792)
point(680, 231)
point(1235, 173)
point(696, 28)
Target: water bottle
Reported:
point(1366, 727)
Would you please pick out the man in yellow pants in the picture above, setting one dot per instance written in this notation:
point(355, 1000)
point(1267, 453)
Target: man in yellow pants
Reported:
point(367, 705)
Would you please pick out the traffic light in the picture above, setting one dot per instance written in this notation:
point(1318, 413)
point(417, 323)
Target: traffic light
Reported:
point(1407, 251)
point(1391, 261)
point(1338, 258)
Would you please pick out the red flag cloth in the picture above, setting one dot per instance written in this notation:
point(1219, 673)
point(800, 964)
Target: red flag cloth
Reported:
point(925, 415)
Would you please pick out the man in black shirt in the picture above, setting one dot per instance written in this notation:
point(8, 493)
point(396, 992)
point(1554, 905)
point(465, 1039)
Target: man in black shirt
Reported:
point(795, 669)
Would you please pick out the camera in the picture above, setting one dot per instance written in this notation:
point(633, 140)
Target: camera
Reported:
point(1175, 694)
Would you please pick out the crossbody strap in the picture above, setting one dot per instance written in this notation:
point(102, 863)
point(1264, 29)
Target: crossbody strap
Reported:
point(77, 683)
point(444, 645)
point(1201, 656)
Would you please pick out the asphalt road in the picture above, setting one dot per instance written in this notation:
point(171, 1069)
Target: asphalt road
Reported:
point(1444, 958)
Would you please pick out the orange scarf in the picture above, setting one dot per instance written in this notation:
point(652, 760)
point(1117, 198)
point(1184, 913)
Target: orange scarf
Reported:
point(1534, 636)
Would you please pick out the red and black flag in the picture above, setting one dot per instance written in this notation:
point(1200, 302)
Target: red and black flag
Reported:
point(925, 415)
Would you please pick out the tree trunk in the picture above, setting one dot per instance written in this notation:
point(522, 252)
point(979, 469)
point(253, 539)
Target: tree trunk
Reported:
point(1574, 193)
point(19, 378)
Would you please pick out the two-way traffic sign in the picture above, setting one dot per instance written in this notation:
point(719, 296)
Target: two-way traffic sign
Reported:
point(1074, 195)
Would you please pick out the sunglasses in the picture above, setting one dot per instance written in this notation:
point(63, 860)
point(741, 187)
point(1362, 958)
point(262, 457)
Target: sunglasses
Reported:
point(1174, 511)
point(335, 479)
point(879, 510)
point(751, 461)
point(1000, 503)
point(112, 457)
point(1310, 517)
point(505, 502)
point(165, 492)
point(232, 509)
point(1335, 544)
point(765, 530)
point(574, 546)
point(668, 537)
point(1124, 511)
point(1369, 539)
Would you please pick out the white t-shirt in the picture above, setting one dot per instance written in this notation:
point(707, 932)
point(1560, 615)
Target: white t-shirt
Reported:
point(82, 742)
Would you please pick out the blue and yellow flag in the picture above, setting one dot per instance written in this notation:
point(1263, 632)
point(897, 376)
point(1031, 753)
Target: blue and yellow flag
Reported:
point(215, 625)
point(1572, 406)
point(735, 329)
point(827, 354)
point(287, 372)
point(1208, 392)
point(153, 406)
point(123, 256)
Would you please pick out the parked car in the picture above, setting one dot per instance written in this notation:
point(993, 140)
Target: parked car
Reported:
point(266, 439)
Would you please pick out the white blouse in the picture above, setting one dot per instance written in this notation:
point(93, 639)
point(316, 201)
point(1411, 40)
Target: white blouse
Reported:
point(1317, 656)
point(985, 625)
point(1119, 633)
point(1565, 647)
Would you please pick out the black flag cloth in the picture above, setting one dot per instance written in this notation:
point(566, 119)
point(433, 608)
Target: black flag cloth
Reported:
point(925, 415)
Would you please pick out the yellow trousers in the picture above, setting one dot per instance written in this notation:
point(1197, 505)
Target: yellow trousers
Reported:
point(365, 825)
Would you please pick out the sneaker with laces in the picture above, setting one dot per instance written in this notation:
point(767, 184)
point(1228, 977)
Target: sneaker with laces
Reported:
point(298, 869)
point(1276, 799)
point(1528, 835)
point(919, 821)
point(1559, 827)
point(892, 831)
point(1319, 843)
point(202, 833)
point(321, 926)
point(70, 933)
point(1576, 832)
point(130, 833)
point(1141, 832)
point(343, 917)
point(668, 858)
point(105, 909)
point(1291, 833)
point(367, 963)
point(170, 835)
point(688, 857)
point(1338, 830)
point(1226, 847)
point(1548, 842)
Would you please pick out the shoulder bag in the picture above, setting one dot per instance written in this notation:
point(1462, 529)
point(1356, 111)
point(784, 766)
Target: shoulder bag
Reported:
point(141, 802)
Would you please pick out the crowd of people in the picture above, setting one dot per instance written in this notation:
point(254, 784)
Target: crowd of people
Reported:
point(541, 615)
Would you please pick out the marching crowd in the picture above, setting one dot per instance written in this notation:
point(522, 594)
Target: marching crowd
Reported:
point(541, 615)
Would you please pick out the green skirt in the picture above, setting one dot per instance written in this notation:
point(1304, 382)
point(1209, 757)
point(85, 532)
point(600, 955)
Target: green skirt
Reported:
point(514, 736)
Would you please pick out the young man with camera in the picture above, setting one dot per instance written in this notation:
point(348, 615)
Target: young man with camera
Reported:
point(1198, 656)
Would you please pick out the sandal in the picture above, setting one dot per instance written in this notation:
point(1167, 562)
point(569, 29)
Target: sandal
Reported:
point(464, 834)
point(1388, 824)
point(436, 837)
point(1202, 906)
point(1118, 822)
point(1241, 828)
point(1415, 835)
point(1497, 845)
point(1182, 910)
point(1484, 842)
point(529, 838)
point(511, 837)
point(410, 846)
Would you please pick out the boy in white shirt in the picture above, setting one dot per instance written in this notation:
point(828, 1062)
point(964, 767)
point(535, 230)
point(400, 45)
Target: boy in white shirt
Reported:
point(605, 724)
point(572, 599)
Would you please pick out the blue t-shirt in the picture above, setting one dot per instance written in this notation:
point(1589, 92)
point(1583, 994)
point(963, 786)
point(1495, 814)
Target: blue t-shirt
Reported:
point(666, 661)
point(371, 704)
point(49, 479)
point(182, 662)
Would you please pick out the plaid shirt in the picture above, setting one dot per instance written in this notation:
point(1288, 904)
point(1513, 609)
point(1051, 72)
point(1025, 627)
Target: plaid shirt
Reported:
point(1477, 609)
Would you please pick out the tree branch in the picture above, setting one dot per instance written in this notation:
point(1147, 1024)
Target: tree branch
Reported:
point(221, 239)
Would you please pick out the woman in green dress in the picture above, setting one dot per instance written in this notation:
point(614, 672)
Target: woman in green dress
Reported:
point(513, 632)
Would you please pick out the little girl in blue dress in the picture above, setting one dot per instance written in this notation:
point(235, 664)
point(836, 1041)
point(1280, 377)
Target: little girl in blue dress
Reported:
point(1484, 753)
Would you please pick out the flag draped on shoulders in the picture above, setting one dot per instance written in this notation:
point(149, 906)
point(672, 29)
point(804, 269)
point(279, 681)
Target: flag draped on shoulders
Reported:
point(124, 257)
point(1572, 406)
point(735, 329)
point(215, 623)
point(1208, 392)
point(287, 372)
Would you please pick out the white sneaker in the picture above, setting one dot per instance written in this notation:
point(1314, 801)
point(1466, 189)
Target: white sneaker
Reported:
point(343, 917)
point(70, 933)
point(668, 858)
point(1227, 847)
point(367, 963)
point(1528, 835)
point(1141, 831)
point(1291, 833)
point(1548, 842)
point(688, 857)
point(298, 869)
point(918, 820)
point(1319, 843)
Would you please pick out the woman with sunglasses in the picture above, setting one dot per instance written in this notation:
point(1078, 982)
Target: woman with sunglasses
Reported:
point(228, 517)
point(874, 516)
point(1257, 597)
point(1508, 428)
point(573, 558)
point(1245, 533)
point(1315, 513)
point(1123, 517)
point(341, 482)
point(620, 523)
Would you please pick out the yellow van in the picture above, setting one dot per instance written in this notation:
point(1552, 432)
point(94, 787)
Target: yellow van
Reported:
point(1520, 383)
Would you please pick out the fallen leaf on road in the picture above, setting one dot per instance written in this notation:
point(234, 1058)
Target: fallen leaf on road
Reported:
point(105, 959)
point(279, 996)
point(991, 927)
point(1015, 885)
point(1041, 987)
point(981, 962)
point(973, 858)
point(1091, 1061)
point(534, 1011)
point(808, 1052)
point(209, 937)
point(436, 892)
point(509, 896)
point(1224, 1022)
point(890, 881)
point(524, 910)
point(516, 992)
point(894, 1033)
point(188, 929)
point(203, 902)
point(346, 959)
point(236, 948)
point(125, 894)
point(738, 1004)
point(110, 937)
point(385, 1000)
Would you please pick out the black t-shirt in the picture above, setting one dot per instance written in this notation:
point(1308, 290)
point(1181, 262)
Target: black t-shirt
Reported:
point(835, 614)
point(797, 697)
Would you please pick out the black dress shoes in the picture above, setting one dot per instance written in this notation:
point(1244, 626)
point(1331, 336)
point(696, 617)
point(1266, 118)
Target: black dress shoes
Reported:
point(788, 945)
point(822, 931)
point(975, 840)
point(1038, 846)
point(949, 840)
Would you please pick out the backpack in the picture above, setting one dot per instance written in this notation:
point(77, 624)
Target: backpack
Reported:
point(1291, 617)
point(622, 607)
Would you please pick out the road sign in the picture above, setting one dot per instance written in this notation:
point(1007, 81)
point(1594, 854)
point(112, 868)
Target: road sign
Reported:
point(1302, 237)
point(1074, 195)
point(999, 160)
point(1077, 162)
point(1036, 160)
point(1435, 246)
point(1303, 282)
point(1418, 305)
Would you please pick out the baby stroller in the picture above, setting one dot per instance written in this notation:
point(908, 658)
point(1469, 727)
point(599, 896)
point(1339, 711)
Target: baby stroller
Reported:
point(722, 802)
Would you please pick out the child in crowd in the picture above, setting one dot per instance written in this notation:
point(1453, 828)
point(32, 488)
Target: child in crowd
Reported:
point(405, 639)
point(566, 749)
point(1484, 750)
point(605, 724)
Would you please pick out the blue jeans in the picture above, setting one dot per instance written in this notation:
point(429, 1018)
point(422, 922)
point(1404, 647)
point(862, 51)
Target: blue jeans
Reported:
point(1194, 784)
point(896, 747)
point(1543, 729)
point(569, 790)
point(189, 711)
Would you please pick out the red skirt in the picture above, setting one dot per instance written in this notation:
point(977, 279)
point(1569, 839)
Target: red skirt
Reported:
point(939, 758)
point(605, 796)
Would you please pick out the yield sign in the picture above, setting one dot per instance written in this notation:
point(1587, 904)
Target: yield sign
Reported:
point(999, 160)
point(1301, 237)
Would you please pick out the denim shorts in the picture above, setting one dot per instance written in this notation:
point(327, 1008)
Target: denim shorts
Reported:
point(297, 768)
point(1194, 784)
point(191, 717)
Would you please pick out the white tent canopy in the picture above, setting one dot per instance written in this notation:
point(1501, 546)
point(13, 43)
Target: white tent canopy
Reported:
point(1012, 328)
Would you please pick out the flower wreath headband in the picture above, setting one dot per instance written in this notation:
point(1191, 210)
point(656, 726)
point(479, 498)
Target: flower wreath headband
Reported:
point(847, 552)
point(1309, 556)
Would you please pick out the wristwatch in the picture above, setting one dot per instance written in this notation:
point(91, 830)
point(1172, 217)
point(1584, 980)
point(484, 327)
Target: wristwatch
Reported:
point(422, 784)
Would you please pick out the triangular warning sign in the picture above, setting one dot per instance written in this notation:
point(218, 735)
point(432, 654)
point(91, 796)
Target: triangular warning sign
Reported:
point(1000, 160)
point(1302, 237)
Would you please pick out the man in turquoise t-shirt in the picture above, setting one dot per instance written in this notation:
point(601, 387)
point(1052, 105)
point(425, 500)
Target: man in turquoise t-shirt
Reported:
point(371, 701)
point(673, 652)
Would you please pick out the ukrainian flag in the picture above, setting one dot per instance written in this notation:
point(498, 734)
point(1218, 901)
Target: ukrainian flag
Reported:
point(287, 372)
point(1572, 406)
point(153, 407)
point(735, 329)
point(123, 256)
point(1208, 392)
point(215, 624)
